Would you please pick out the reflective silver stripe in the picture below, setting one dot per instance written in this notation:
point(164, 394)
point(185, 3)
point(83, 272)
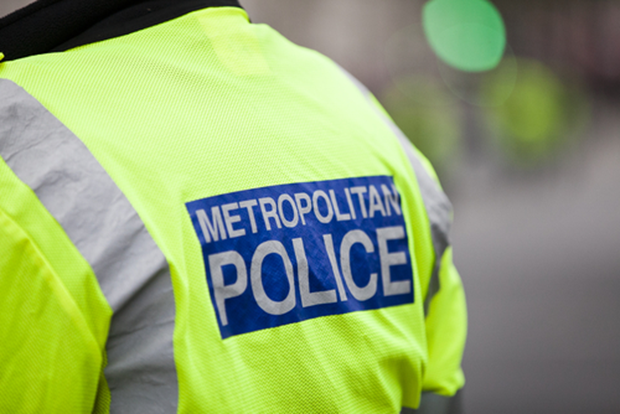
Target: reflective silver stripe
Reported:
point(131, 269)
point(438, 207)
point(437, 404)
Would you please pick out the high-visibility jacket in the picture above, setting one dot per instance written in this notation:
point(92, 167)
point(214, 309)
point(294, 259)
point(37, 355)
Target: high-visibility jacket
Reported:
point(197, 215)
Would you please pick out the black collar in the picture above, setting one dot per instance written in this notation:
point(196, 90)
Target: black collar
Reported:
point(57, 25)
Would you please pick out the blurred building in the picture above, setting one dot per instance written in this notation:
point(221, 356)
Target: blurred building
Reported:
point(582, 37)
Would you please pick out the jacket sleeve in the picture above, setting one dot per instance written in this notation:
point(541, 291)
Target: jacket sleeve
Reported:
point(446, 330)
point(49, 361)
point(444, 301)
point(53, 317)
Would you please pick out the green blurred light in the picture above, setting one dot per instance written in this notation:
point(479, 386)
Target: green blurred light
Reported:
point(468, 35)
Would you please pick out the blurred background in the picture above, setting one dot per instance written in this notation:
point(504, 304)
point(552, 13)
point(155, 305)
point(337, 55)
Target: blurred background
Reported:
point(529, 153)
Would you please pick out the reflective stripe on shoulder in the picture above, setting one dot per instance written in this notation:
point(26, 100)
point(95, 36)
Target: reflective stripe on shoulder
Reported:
point(438, 207)
point(131, 269)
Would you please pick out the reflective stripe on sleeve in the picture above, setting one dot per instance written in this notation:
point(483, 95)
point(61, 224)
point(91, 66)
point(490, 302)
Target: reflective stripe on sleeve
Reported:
point(438, 207)
point(130, 268)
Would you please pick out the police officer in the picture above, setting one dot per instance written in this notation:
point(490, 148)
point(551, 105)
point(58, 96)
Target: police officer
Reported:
point(197, 215)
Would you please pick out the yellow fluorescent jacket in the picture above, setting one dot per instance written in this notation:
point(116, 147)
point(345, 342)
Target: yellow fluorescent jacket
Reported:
point(201, 216)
